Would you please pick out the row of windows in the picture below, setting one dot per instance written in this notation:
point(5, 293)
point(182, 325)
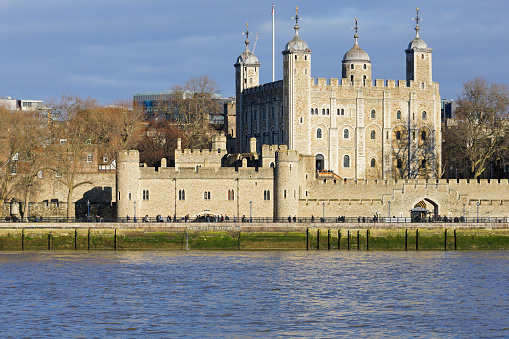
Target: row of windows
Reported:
point(206, 195)
point(341, 111)
point(399, 163)
point(346, 134)
point(255, 113)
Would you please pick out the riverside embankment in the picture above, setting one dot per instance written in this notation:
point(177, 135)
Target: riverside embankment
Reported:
point(254, 236)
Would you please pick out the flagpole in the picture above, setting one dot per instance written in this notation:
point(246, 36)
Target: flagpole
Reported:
point(273, 48)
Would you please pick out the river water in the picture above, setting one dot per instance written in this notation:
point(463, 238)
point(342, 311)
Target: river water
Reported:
point(269, 294)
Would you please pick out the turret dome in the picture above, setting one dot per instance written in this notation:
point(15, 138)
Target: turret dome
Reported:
point(356, 53)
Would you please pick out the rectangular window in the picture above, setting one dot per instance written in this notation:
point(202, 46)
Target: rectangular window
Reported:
point(14, 169)
point(90, 157)
point(145, 195)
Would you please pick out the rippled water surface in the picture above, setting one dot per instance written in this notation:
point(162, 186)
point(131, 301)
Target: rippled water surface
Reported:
point(315, 294)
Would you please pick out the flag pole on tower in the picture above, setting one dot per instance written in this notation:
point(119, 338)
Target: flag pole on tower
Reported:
point(273, 49)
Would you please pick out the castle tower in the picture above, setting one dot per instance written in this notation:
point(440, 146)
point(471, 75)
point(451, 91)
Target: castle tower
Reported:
point(418, 59)
point(128, 192)
point(356, 66)
point(286, 183)
point(296, 88)
point(247, 74)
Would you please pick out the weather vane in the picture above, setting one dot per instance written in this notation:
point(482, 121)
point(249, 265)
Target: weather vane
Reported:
point(356, 28)
point(246, 33)
point(417, 19)
point(296, 16)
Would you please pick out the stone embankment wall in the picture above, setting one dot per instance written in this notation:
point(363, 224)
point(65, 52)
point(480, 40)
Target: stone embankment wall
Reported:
point(247, 236)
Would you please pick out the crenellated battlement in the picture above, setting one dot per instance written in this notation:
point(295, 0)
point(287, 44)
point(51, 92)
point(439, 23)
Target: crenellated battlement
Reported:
point(128, 156)
point(319, 83)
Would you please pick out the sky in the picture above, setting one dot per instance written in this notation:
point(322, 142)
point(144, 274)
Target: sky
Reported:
point(111, 49)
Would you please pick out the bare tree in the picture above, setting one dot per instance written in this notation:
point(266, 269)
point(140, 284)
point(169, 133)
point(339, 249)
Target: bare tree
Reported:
point(479, 134)
point(74, 134)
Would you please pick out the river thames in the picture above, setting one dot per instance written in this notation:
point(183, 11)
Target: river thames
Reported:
point(255, 294)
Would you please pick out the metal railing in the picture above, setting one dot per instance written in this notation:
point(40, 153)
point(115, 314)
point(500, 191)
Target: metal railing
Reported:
point(246, 219)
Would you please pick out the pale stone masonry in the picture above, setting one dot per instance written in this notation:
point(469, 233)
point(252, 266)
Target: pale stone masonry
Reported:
point(354, 127)
point(350, 146)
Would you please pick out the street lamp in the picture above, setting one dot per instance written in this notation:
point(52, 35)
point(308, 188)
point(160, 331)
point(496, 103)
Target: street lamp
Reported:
point(135, 211)
point(323, 211)
point(478, 203)
point(464, 213)
point(88, 210)
point(389, 216)
point(250, 210)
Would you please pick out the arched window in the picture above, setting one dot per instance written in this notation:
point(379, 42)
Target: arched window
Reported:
point(364, 66)
point(351, 78)
point(346, 133)
point(342, 111)
point(182, 195)
point(346, 161)
point(351, 66)
point(423, 135)
point(318, 133)
point(422, 56)
point(364, 80)
point(373, 162)
point(373, 135)
point(398, 115)
point(399, 163)
point(323, 111)
point(398, 135)
point(373, 114)
point(327, 111)
point(312, 111)
point(423, 115)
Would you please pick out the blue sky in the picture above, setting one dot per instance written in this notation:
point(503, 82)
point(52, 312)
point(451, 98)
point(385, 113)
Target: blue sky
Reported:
point(110, 49)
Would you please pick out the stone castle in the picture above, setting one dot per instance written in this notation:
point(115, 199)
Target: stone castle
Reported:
point(307, 147)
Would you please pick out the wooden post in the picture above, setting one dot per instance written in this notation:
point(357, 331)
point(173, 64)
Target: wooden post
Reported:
point(75, 238)
point(49, 240)
point(445, 240)
point(339, 239)
point(88, 240)
point(358, 240)
point(455, 241)
point(417, 239)
point(307, 238)
point(318, 239)
point(115, 240)
point(23, 239)
point(328, 239)
point(348, 239)
point(367, 240)
point(406, 239)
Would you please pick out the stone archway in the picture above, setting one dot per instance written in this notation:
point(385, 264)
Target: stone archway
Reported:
point(429, 205)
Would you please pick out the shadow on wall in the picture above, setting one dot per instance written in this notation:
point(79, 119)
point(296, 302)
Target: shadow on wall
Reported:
point(101, 204)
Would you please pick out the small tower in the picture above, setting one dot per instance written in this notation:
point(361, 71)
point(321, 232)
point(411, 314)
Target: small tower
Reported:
point(286, 183)
point(418, 59)
point(296, 88)
point(128, 175)
point(247, 74)
point(356, 63)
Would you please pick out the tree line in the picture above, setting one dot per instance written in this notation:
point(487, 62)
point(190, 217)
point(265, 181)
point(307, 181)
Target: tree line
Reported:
point(59, 138)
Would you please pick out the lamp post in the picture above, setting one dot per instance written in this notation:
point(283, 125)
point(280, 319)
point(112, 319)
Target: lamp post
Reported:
point(134, 211)
point(478, 203)
point(28, 212)
point(88, 210)
point(389, 216)
point(250, 210)
point(464, 220)
point(323, 211)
